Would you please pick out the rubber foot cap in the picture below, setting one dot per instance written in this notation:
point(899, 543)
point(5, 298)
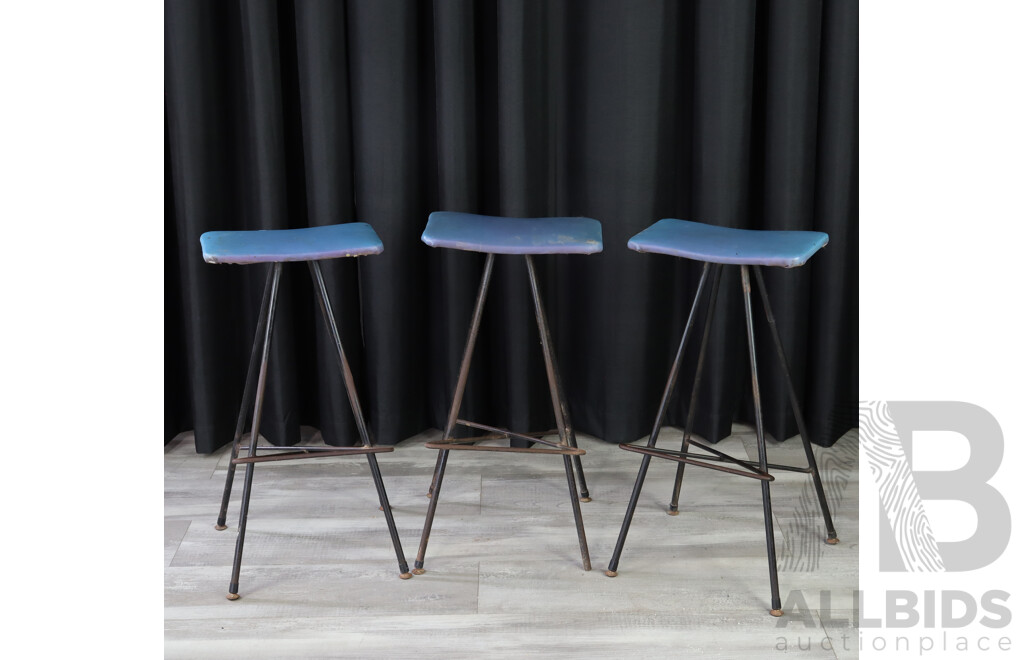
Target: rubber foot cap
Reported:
point(585, 499)
point(832, 541)
point(429, 494)
point(233, 596)
point(419, 571)
point(673, 512)
point(611, 573)
point(220, 528)
point(405, 576)
point(775, 612)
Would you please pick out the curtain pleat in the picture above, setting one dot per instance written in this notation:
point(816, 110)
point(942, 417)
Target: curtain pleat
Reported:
point(785, 189)
point(321, 40)
point(739, 113)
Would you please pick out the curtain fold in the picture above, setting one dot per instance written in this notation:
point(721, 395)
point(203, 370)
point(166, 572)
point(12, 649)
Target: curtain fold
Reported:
point(739, 113)
point(325, 123)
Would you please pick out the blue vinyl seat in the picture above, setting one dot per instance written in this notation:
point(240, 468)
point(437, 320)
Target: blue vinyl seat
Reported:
point(500, 235)
point(352, 239)
point(727, 245)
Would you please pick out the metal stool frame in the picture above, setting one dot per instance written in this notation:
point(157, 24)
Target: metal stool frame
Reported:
point(756, 470)
point(261, 349)
point(566, 446)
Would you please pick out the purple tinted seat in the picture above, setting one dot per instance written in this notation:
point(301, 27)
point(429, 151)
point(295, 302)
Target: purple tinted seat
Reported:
point(500, 235)
point(726, 245)
point(352, 239)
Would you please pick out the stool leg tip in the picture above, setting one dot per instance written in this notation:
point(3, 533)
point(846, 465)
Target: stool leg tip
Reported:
point(611, 573)
point(405, 576)
point(220, 528)
point(233, 596)
point(429, 494)
point(775, 612)
point(585, 499)
point(419, 571)
point(672, 512)
point(832, 540)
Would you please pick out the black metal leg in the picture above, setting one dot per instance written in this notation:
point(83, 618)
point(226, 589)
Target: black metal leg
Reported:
point(762, 457)
point(254, 437)
point(357, 413)
point(795, 403)
point(243, 411)
point(433, 482)
point(453, 413)
point(559, 407)
point(563, 403)
point(428, 523)
point(673, 507)
point(673, 374)
point(567, 419)
point(571, 432)
point(385, 506)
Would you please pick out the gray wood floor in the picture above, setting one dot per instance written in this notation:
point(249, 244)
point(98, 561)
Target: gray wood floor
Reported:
point(504, 577)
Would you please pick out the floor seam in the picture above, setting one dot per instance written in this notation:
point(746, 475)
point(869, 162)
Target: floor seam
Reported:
point(178, 546)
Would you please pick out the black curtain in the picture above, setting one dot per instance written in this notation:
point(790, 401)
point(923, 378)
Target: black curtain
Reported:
point(740, 113)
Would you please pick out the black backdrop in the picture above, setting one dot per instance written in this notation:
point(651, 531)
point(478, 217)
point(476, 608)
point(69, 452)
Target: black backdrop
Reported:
point(289, 114)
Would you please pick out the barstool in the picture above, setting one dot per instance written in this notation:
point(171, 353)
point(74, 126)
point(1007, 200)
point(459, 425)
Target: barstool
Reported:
point(517, 236)
point(750, 249)
point(276, 246)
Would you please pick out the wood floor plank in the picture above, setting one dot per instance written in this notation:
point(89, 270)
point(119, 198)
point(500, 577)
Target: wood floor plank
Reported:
point(364, 588)
point(565, 634)
point(504, 576)
point(174, 531)
point(295, 493)
point(842, 629)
